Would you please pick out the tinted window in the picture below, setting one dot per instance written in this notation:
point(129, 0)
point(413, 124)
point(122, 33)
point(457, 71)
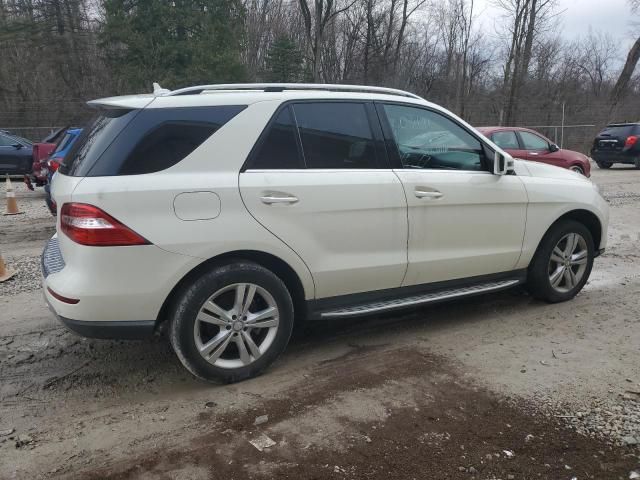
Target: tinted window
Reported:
point(505, 140)
point(335, 135)
point(94, 139)
point(279, 149)
point(426, 139)
point(619, 131)
point(165, 146)
point(533, 142)
point(144, 141)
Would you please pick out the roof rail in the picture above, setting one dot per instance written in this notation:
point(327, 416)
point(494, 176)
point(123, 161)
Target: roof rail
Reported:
point(279, 87)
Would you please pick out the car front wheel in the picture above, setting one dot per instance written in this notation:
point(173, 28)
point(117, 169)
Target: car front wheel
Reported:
point(604, 165)
point(232, 322)
point(577, 169)
point(563, 262)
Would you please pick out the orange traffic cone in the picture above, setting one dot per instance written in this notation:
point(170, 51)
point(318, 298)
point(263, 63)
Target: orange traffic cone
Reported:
point(4, 273)
point(12, 204)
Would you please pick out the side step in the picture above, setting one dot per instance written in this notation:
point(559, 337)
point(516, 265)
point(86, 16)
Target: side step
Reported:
point(415, 300)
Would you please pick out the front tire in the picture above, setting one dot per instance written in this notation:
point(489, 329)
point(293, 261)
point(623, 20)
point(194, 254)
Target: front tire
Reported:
point(577, 169)
point(637, 163)
point(232, 322)
point(604, 165)
point(562, 263)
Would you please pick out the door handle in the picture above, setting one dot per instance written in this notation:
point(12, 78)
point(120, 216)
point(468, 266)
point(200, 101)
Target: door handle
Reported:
point(271, 199)
point(428, 194)
point(533, 153)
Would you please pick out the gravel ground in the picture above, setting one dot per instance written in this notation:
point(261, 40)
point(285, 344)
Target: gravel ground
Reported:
point(27, 278)
point(497, 387)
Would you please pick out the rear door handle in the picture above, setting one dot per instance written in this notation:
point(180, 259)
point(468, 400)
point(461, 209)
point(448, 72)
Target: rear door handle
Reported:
point(428, 194)
point(278, 198)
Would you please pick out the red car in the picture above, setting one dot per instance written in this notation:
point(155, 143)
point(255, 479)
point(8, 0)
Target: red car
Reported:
point(530, 145)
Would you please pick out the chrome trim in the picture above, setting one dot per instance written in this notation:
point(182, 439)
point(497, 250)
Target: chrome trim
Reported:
point(269, 87)
point(52, 261)
point(414, 300)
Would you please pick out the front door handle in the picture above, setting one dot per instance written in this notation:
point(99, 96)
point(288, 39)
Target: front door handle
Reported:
point(278, 198)
point(428, 194)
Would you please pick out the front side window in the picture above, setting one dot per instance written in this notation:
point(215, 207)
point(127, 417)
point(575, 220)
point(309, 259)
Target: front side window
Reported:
point(429, 140)
point(506, 140)
point(533, 142)
point(335, 135)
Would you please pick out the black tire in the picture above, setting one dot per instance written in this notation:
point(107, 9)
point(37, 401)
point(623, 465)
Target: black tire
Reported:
point(192, 298)
point(538, 280)
point(604, 165)
point(637, 163)
point(577, 169)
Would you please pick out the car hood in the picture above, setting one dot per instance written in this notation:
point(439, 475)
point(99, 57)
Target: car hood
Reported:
point(543, 170)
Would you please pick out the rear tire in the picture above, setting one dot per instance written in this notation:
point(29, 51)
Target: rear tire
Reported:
point(232, 322)
point(637, 163)
point(562, 264)
point(604, 165)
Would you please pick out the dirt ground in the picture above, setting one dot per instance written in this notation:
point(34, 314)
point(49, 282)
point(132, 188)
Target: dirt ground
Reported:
point(495, 387)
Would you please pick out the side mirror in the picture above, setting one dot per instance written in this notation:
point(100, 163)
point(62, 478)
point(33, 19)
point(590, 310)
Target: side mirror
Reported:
point(553, 148)
point(17, 146)
point(502, 163)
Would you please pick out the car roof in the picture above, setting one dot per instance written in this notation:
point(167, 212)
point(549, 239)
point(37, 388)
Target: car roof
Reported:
point(629, 124)
point(246, 94)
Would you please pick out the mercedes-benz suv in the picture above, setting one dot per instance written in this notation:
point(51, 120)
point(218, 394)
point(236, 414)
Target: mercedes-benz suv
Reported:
point(224, 214)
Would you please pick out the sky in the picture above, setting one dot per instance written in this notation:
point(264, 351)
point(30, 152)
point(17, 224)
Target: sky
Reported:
point(576, 17)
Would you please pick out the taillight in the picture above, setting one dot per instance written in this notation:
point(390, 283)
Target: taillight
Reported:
point(53, 165)
point(631, 141)
point(88, 225)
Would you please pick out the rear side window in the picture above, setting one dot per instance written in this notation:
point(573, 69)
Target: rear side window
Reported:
point(148, 141)
point(335, 135)
point(506, 140)
point(165, 146)
point(279, 150)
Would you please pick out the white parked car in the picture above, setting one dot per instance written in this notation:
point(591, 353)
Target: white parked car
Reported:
point(223, 214)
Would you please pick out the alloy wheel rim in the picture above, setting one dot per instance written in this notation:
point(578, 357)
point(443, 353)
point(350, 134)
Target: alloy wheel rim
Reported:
point(236, 325)
point(568, 262)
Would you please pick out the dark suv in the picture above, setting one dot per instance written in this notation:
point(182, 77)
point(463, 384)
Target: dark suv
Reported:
point(617, 143)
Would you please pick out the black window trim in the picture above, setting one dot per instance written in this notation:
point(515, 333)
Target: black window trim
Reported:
point(382, 158)
point(392, 149)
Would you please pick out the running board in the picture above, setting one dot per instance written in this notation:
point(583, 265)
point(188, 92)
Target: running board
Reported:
point(416, 300)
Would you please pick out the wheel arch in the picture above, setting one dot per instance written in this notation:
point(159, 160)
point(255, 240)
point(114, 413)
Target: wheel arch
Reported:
point(589, 219)
point(267, 260)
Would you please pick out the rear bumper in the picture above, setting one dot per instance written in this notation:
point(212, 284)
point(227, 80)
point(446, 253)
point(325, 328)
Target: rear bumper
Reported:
point(615, 157)
point(134, 330)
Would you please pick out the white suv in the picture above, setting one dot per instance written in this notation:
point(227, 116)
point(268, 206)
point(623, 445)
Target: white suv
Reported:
point(224, 214)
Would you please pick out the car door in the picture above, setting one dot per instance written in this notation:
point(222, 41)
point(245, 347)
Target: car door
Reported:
point(538, 149)
point(464, 221)
point(319, 180)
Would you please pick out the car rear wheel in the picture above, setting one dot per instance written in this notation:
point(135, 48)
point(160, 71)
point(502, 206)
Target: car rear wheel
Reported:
point(637, 163)
point(563, 262)
point(232, 322)
point(577, 169)
point(604, 165)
